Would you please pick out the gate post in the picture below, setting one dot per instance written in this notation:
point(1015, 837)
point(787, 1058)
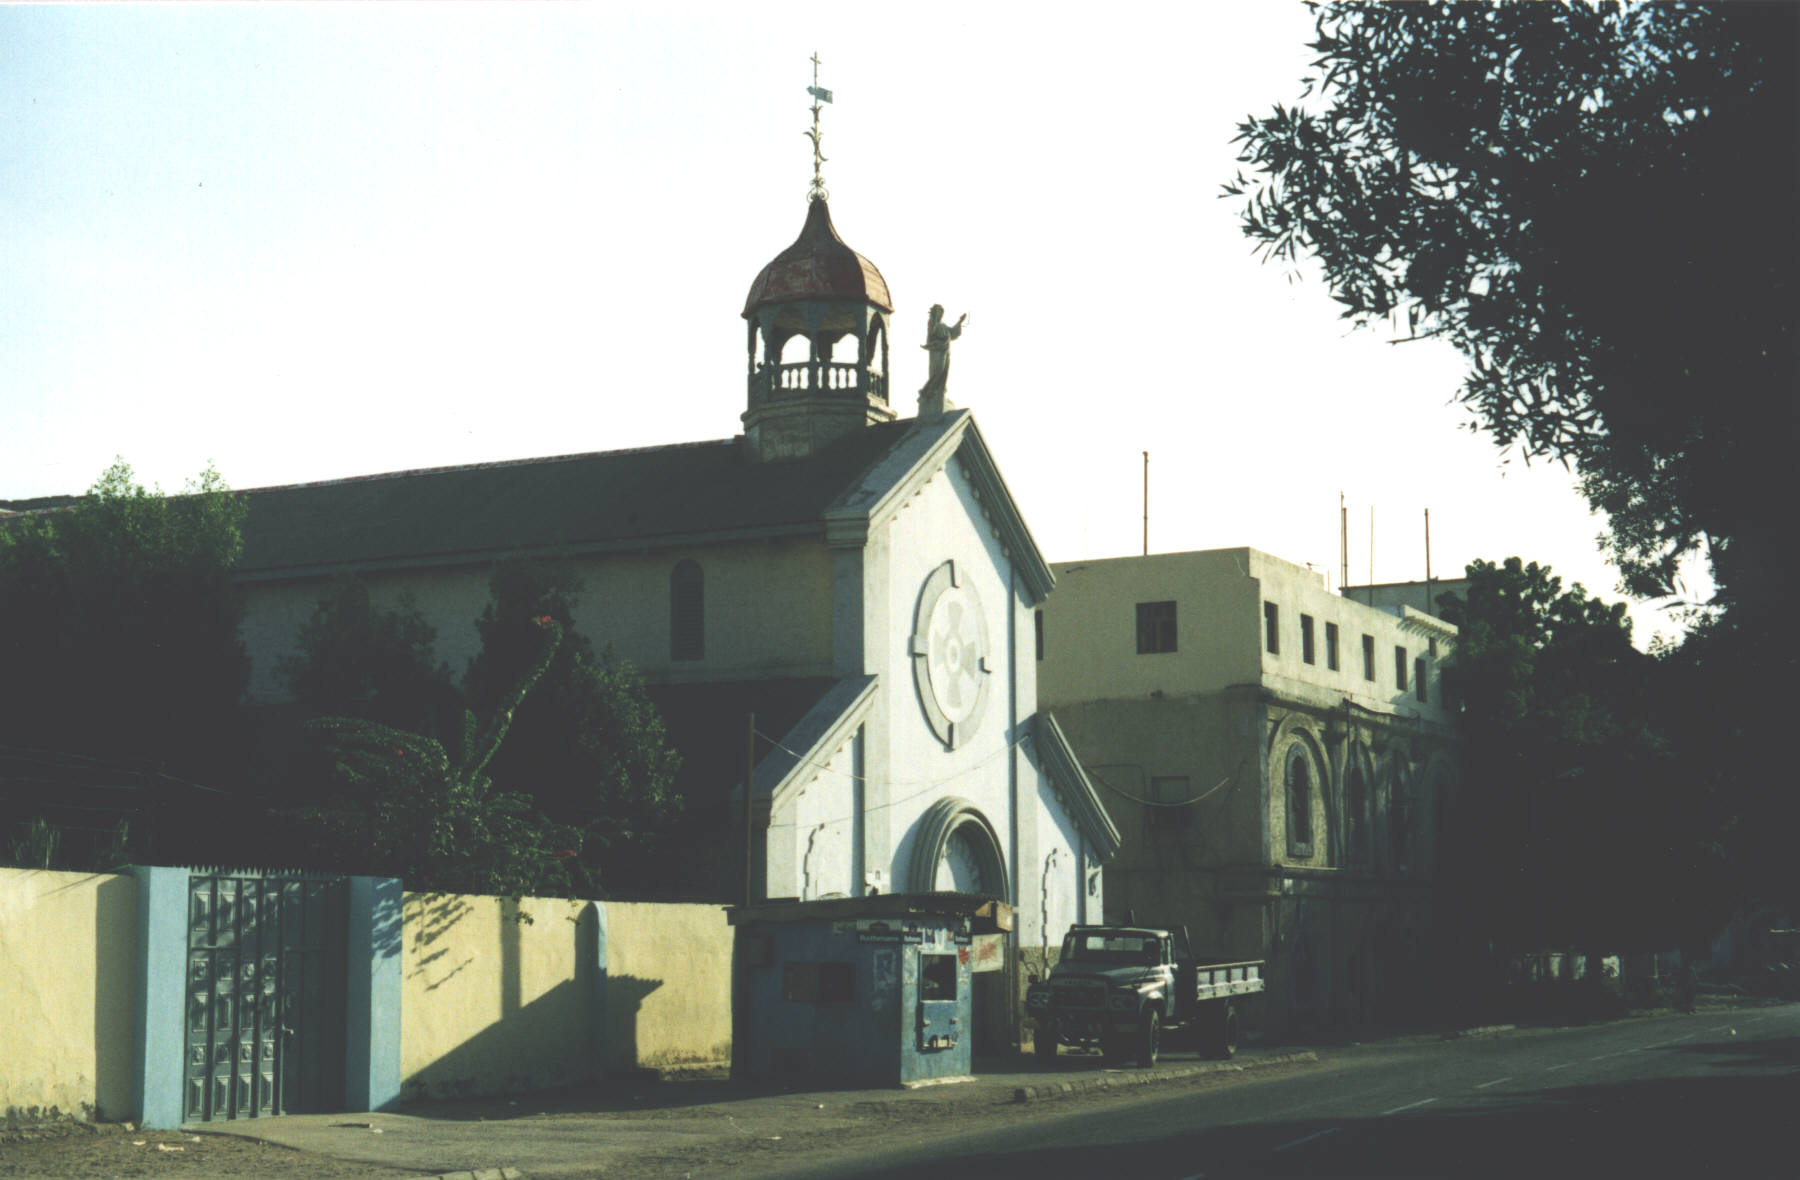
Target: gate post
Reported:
point(372, 1002)
point(158, 1046)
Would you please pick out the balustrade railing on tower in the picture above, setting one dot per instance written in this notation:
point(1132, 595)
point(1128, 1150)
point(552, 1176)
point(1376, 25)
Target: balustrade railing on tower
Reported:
point(774, 382)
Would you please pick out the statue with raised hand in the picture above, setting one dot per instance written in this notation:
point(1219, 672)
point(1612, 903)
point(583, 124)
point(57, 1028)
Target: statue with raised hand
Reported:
point(938, 336)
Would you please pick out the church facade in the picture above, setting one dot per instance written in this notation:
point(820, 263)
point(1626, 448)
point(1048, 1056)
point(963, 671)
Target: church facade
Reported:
point(854, 588)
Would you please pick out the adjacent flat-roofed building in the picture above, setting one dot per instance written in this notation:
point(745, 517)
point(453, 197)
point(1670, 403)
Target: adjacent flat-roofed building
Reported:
point(1278, 759)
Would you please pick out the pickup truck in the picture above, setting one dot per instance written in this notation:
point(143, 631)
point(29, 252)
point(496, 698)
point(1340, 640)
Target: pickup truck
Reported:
point(1121, 988)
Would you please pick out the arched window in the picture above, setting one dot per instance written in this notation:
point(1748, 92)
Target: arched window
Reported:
point(1299, 801)
point(1400, 825)
point(687, 612)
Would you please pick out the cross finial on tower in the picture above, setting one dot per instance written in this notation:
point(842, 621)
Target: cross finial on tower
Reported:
point(817, 191)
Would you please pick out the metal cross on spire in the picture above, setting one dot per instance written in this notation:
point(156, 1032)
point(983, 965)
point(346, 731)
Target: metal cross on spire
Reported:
point(819, 95)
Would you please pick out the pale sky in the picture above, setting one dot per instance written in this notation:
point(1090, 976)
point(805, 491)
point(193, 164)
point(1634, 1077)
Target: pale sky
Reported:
point(301, 242)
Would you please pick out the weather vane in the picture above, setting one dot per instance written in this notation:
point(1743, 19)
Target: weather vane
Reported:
point(819, 95)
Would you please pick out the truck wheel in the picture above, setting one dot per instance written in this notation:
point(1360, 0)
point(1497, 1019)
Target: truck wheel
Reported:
point(1149, 1037)
point(1221, 1036)
point(1044, 1040)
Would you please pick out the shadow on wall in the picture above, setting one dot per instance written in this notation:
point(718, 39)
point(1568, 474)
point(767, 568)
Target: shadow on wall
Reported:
point(431, 930)
point(576, 1030)
point(115, 995)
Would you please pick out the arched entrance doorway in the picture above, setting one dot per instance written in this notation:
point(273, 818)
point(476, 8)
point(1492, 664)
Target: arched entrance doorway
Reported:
point(957, 851)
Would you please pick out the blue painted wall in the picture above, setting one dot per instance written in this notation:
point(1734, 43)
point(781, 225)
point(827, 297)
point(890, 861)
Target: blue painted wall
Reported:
point(161, 996)
point(372, 1000)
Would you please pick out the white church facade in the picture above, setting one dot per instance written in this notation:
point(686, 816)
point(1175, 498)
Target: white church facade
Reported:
point(863, 585)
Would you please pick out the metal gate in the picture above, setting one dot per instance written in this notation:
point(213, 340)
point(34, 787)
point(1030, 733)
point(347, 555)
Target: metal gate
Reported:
point(265, 996)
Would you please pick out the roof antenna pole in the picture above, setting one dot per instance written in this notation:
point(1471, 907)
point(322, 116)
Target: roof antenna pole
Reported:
point(1428, 561)
point(1146, 503)
point(1343, 544)
point(819, 95)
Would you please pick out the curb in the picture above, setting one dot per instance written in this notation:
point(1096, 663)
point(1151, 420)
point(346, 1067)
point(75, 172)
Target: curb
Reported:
point(1457, 1034)
point(478, 1174)
point(1148, 1077)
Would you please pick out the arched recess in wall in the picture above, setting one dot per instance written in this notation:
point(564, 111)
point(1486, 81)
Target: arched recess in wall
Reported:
point(687, 611)
point(957, 850)
point(1359, 806)
point(1297, 765)
point(1402, 809)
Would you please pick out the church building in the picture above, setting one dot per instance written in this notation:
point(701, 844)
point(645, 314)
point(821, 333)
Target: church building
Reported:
point(860, 583)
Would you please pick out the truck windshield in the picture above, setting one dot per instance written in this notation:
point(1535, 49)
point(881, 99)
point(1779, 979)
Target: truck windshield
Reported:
point(1102, 947)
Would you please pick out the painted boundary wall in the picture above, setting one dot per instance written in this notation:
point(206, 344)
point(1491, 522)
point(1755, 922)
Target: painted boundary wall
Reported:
point(500, 996)
point(487, 1003)
point(667, 994)
point(68, 980)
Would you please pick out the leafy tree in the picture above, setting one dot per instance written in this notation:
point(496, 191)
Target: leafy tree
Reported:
point(356, 661)
point(433, 816)
point(1580, 822)
point(588, 745)
point(119, 639)
point(1594, 203)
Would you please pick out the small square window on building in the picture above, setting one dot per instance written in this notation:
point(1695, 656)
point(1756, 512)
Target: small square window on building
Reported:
point(1419, 677)
point(1400, 667)
point(1306, 639)
point(1155, 627)
point(1331, 646)
point(1272, 628)
point(1368, 657)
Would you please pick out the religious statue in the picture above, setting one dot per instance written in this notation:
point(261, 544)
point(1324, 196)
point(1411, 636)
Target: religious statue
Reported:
point(938, 336)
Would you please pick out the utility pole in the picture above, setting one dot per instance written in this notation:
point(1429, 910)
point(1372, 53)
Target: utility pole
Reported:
point(1343, 544)
point(1428, 561)
point(1146, 503)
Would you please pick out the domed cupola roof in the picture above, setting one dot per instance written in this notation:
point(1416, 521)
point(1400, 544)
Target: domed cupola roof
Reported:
point(818, 266)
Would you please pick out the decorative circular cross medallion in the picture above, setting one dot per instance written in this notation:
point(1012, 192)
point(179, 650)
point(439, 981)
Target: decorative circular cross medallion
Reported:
point(949, 651)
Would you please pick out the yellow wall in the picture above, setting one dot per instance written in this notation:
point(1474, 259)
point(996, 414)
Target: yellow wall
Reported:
point(488, 1002)
point(68, 962)
point(669, 985)
point(1090, 627)
point(1090, 634)
point(492, 1004)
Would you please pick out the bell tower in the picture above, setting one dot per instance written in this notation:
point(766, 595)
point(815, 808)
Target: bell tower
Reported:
point(818, 334)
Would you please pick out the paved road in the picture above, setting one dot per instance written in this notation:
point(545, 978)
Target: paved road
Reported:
point(1678, 1095)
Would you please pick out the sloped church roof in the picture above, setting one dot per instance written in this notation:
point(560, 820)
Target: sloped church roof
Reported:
point(576, 503)
point(691, 493)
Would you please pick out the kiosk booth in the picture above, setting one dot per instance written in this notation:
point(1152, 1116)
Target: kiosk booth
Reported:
point(864, 991)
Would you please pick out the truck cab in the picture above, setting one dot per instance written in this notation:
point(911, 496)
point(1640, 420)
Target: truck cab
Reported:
point(1119, 988)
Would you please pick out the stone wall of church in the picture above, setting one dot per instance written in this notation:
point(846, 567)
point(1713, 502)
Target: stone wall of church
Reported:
point(767, 611)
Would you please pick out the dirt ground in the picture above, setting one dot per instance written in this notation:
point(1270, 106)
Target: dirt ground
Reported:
point(79, 1151)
